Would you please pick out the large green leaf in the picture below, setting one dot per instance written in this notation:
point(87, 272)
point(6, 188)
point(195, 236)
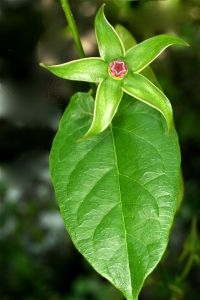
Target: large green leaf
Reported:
point(117, 191)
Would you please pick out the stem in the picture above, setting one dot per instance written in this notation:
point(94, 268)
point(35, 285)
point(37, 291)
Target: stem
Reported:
point(76, 36)
point(186, 269)
point(73, 27)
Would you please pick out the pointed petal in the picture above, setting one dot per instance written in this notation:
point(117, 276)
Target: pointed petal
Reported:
point(142, 89)
point(128, 42)
point(92, 69)
point(125, 36)
point(108, 97)
point(109, 43)
point(141, 55)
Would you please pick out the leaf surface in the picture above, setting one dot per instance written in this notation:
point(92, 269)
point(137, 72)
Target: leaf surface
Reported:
point(117, 191)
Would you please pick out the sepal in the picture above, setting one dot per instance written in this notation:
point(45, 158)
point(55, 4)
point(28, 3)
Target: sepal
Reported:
point(85, 69)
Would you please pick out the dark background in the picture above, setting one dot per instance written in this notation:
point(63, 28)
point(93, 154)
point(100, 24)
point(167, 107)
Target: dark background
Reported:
point(37, 258)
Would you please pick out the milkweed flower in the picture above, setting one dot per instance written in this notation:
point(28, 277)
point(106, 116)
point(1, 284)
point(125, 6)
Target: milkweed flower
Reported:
point(117, 71)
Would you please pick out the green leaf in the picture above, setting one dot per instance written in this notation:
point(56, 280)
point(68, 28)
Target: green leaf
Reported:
point(109, 43)
point(85, 69)
point(142, 89)
point(108, 97)
point(141, 55)
point(117, 191)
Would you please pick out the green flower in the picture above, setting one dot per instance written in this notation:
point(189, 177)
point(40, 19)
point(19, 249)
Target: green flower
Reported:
point(118, 71)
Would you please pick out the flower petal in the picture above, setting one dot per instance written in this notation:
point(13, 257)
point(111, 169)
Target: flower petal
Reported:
point(108, 97)
point(142, 89)
point(92, 69)
point(128, 42)
point(109, 43)
point(125, 36)
point(141, 55)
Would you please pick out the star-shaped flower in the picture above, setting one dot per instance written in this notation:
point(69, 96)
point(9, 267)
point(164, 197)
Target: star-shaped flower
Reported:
point(118, 68)
point(118, 71)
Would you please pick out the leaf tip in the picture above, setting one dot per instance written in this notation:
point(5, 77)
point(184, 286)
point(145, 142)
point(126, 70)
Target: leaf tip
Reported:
point(101, 14)
point(183, 42)
point(80, 140)
point(186, 43)
point(87, 136)
point(93, 131)
point(168, 118)
point(170, 126)
point(179, 41)
point(102, 6)
point(42, 65)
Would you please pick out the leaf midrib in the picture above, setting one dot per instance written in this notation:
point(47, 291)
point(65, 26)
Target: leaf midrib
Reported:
point(120, 197)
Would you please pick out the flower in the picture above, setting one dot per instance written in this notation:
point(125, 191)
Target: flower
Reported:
point(118, 71)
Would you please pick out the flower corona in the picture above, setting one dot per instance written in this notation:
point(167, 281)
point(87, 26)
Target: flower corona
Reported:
point(118, 69)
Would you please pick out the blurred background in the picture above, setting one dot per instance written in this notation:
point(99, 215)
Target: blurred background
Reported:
point(37, 258)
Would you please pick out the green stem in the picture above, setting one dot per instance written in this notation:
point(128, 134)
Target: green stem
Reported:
point(186, 269)
point(76, 36)
point(73, 27)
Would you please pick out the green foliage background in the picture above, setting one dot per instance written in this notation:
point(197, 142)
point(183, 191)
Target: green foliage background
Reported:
point(37, 258)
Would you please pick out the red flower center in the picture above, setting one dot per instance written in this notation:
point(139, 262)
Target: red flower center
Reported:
point(118, 68)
